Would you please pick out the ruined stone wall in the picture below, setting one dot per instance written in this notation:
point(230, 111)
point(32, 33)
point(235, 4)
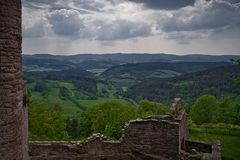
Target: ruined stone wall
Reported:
point(197, 150)
point(11, 84)
point(199, 146)
point(149, 138)
point(152, 138)
point(179, 114)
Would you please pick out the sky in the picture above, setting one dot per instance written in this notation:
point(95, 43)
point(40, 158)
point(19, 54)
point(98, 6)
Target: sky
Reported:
point(180, 27)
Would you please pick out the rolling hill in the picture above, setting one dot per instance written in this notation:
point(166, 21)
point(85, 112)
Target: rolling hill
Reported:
point(130, 74)
point(217, 81)
point(134, 57)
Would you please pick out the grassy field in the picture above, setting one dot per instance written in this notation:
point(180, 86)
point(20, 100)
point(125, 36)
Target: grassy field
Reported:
point(230, 144)
point(78, 99)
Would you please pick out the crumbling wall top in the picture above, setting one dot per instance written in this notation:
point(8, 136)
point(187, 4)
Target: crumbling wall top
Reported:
point(177, 109)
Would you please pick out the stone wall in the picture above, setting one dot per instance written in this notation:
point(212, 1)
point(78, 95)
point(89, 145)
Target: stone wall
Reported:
point(177, 111)
point(154, 137)
point(198, 146)
point(11, 84)
point(149, 138)
point(197, 150)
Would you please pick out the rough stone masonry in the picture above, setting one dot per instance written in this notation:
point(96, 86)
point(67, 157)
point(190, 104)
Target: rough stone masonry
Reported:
point(12, 139)
point(152, 138)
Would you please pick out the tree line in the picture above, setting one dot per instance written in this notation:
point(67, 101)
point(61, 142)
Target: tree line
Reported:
point(49, 122)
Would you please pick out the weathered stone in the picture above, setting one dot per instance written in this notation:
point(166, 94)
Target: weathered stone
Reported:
point(151, 138)
point(11, 88)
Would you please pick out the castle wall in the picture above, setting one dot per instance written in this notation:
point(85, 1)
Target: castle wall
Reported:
point(159, 138)
point(178, 113)
point(11, 84)
point(199, 146)
point(152, 138)
point(142, 139)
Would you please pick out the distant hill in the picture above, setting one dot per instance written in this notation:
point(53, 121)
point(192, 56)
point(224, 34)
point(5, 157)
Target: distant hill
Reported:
point(120, 58)
point(161, 57)
point(158, 77)
point(217, 81)
point(129, 74)
point(65, 74)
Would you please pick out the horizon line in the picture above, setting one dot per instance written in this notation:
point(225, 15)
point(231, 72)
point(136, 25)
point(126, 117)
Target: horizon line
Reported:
point(132, 53)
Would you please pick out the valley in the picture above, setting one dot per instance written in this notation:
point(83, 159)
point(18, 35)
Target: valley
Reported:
point(69, 98)
point(90, 79)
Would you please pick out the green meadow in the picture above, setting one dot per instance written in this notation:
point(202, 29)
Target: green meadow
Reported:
point(77, 100)
point(230, 143)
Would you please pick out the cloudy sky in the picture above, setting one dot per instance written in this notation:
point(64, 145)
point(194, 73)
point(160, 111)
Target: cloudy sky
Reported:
point(142, 26)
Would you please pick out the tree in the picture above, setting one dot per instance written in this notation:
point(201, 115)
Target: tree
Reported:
point(204, 109)
point(42, 87)
point(147, 108)
point(73, 127)
point(107, 118)
point(236, 112)
point(64, 93)
point(237, 79)
point(224, 112)
point(46, 122)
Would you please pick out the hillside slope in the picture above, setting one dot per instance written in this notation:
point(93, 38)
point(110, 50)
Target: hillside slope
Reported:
point(138, 72)
point(218, 81)
point(135, 57)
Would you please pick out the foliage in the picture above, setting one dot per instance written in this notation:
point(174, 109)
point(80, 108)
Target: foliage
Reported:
point(64, 93)
point(204, 110)
point(147, 108)
point(108, 118)
point(209, 109)
point(72, 127)
point(217, 82)
point(236, 112)
point(145, 71)
point(225, 111)
point(46, 122)
point(237, 79)
point(42, 87)
point(83, 97)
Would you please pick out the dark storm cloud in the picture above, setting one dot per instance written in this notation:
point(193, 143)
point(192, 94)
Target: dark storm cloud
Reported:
point(165, 4)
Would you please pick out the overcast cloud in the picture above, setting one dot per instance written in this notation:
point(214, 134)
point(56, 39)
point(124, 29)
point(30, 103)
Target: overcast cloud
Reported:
point(114, 25)
point(165, 4)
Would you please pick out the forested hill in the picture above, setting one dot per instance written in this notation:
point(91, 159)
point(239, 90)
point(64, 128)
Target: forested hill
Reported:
point(137, 72)
point(132, 58)
point(218, 81)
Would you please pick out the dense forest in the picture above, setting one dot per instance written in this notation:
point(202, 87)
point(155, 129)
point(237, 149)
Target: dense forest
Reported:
point(145, 71)
point(218, 82)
